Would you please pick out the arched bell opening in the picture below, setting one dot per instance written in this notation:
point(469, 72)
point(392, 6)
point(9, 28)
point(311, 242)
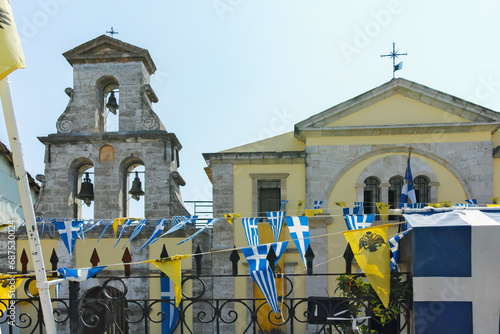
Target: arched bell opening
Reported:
point(108, 91)
point(82, 189)
point(134, 179)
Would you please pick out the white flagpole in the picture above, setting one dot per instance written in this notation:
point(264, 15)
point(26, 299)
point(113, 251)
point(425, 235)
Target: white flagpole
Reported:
point(26, 202)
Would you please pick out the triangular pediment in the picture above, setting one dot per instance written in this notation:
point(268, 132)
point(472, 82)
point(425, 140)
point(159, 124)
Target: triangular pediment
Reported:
point(399, 107)
point(104, 49)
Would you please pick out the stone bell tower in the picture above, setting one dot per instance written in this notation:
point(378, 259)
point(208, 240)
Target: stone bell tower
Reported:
point(104, 69)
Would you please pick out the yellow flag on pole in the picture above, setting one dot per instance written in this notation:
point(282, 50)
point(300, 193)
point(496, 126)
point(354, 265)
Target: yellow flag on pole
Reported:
point(372, 252)
point(383, 210)
point(171, 266)
point(11, 52)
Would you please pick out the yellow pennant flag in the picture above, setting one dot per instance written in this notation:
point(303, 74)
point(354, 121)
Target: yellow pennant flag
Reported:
point(119, 221)
point(171, 266)
point(372, 252)
point(341, 204)
point(11, 52)
point(313, 212)
point(494, 200)
point(383, 209)
point(8, 287)
point(445, 204)
point(300, 204)
point(230, 216)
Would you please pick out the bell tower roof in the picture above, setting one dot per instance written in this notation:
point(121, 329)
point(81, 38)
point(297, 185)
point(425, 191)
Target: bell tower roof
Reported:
point(105, 49)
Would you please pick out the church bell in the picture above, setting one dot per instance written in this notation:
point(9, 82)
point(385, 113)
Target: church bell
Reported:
point(136, 190)
point(112, 105)
point(86, 193)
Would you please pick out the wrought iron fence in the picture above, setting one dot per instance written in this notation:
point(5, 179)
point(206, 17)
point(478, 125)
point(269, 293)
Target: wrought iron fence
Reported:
point(109, 310)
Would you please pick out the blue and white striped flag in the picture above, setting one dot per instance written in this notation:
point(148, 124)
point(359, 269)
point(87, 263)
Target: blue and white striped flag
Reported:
point(156, 232)
point(171, 313)
point(79, 275)
point(104, 229)
point(251, 230)
point(137, 230)
point(98, 223)
point(394, 244)
point(209, 223)
point(299, 231)
point(355, 222)
point(283, 203)
point(472, 202)
point(68, 230)
point(279, 249)
point(262, 273)
point(126, 224)
point(411, 205)
point(356, 210)
point(408, 192)
point(276, 219)
point(463, 205)
point(180, 221)
point(317, 204)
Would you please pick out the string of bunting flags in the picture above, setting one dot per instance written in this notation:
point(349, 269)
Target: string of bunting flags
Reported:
point(371, 245)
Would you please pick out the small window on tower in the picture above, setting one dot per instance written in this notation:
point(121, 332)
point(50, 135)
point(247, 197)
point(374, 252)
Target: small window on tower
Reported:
point(269, 196)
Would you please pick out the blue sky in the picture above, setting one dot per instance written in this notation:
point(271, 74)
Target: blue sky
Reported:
point(236, 71)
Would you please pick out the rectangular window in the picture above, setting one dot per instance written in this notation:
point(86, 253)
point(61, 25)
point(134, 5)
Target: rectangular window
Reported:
point(269, 196)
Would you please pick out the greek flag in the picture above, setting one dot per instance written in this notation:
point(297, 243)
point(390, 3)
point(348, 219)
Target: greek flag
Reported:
point(171, 313)
point(262, 274)
point(394, 244)
point(472, 202)
point(299, 231)
point(355, 222)
point(398, 67)
point(138, 229)
point(407, 192)
point(209, 223)
point(283, 203)
point(251, 230)
point(68, 230)
point(104, 229)
point(411, 205)
point(98, 223)
point(276, 222)
point(356, 210)
point(124, 226)
point(79, 275)
point(279, 249)
point(317, 204)
point(180, 221)
point(156, 232)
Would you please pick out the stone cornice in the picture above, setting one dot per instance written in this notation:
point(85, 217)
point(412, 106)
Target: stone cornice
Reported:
point(64, 138)
point(260, 158)
point(380, 130)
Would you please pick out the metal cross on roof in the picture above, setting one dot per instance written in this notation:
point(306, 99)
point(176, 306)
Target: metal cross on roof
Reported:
point(112, 32)
point(394, 54)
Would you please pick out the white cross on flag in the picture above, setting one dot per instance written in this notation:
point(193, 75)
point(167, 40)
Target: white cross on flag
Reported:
point(68, 230)
point(299, 231)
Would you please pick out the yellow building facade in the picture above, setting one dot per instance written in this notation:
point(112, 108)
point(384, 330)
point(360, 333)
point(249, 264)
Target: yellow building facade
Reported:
point(356, 151)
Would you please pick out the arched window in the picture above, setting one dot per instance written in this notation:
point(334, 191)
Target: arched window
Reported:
point(394, 195)
point(134, 190)
point(108, 95)
point(371, 194)
point(82, 188)
point(422, 189)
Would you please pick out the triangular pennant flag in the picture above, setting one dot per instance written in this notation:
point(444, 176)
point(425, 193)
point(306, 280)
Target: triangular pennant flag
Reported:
point(98, 223)
point(383, 210)
point(68, 230)
point(104, 230)
point(341, 204)
point(317, 204)
point(79, 275)
point(314, 212)
point(209, 223)
point(494, 200)
point(251, 230)
point(276, 219)
point(230, 216)
point(279, 249)
point(356, 210)
point(137, 230)
point(300, 204)
point(283, 203)
point(394, 244)
point(181, 222)
point(171, 267)
point(170, 312)
point(262, 273)
point(120, 221)
point(355, 222)
point(11, 52)
point(372, 253)
point(156, 232)
point(472, 202)
point(124, 226)
point(299, 231)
